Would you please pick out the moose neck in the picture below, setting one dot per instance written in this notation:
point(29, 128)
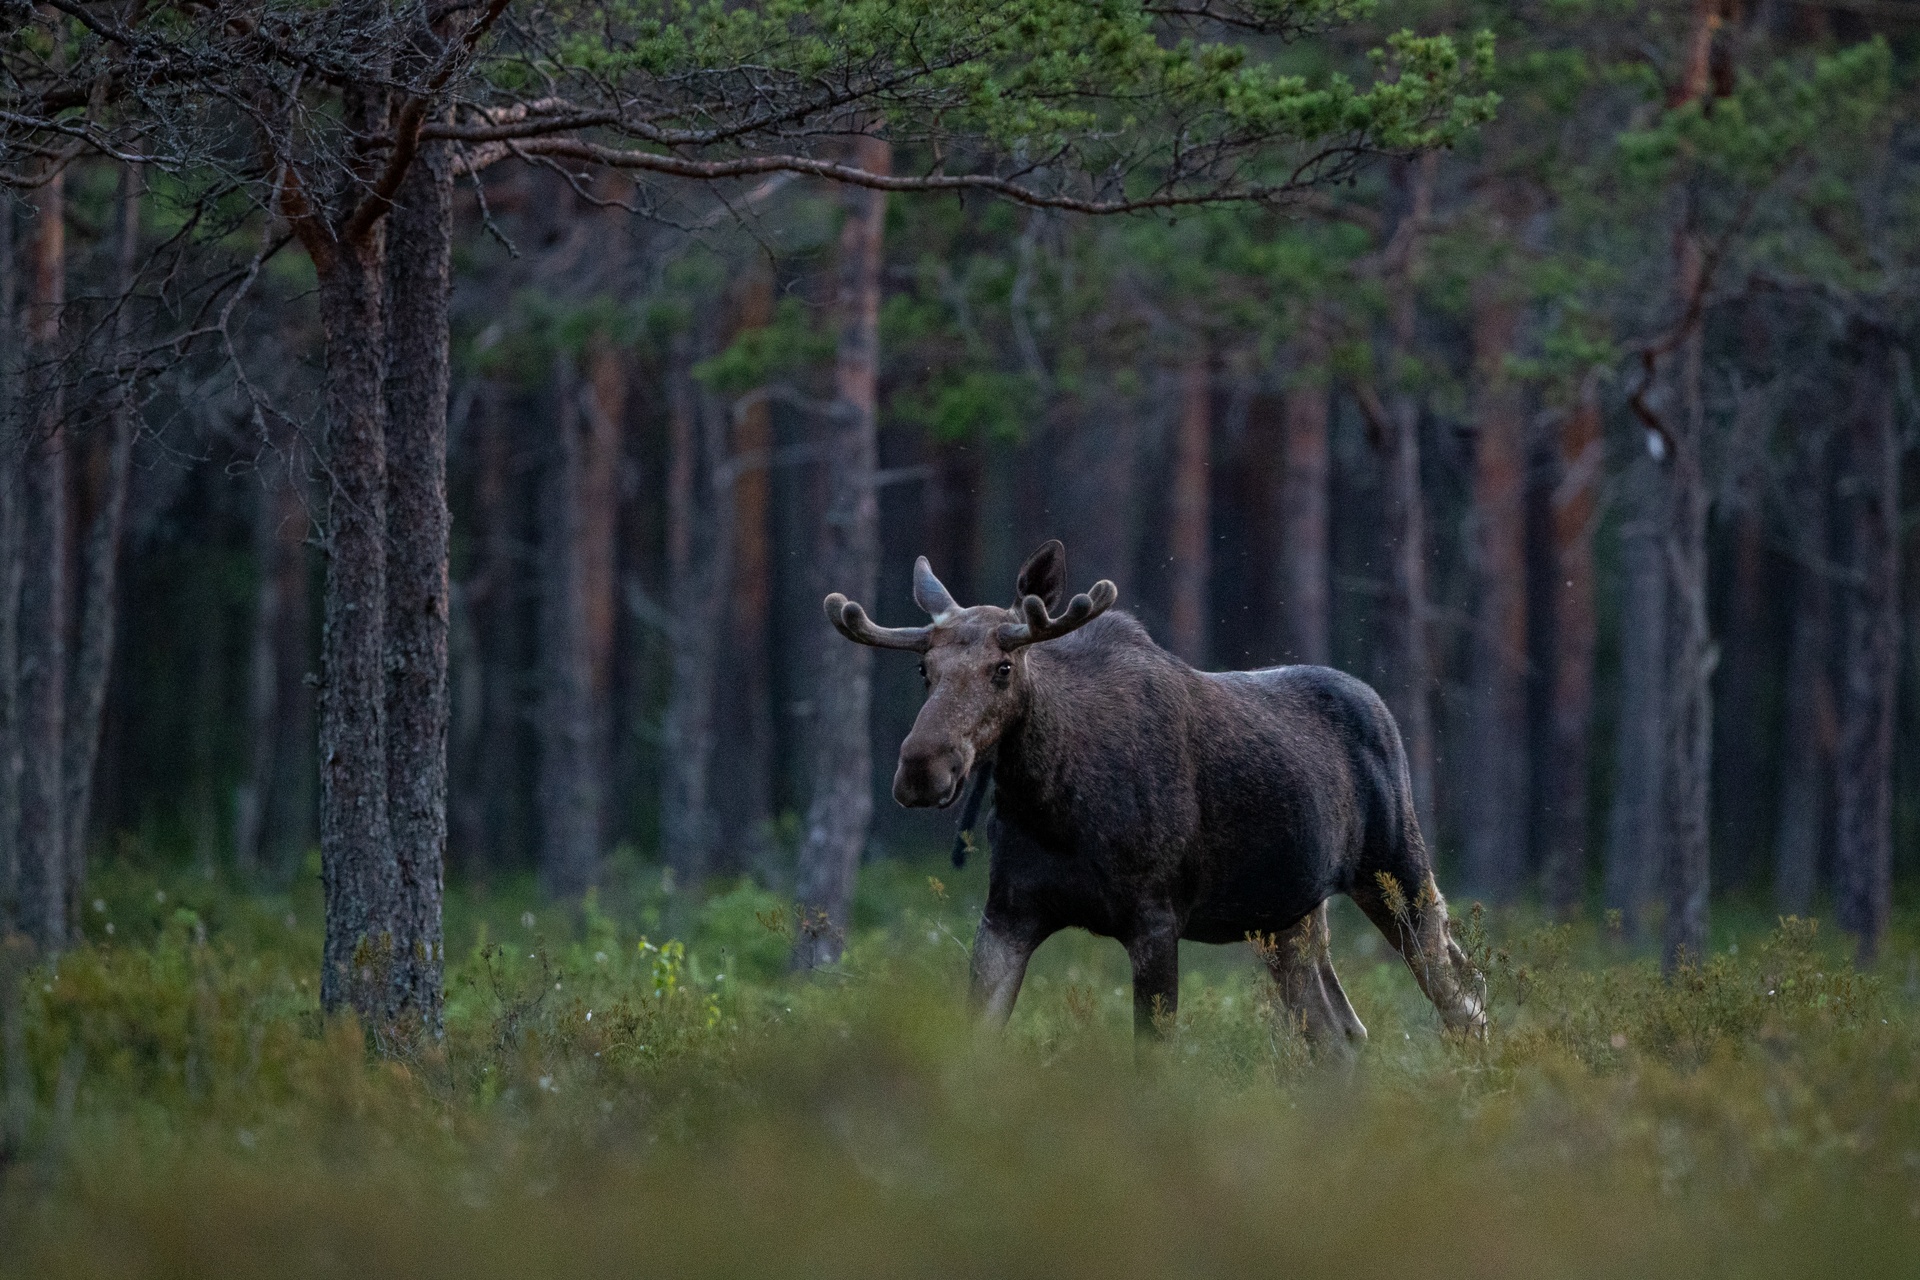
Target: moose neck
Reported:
point(1097, 702)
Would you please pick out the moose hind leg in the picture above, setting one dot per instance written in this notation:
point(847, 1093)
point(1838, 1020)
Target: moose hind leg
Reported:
point(1301, 964)
point(1416, 924)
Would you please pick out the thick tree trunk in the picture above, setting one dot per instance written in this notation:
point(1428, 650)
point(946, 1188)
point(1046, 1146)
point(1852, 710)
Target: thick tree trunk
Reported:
point(419, 280)
point(745, 769)
point(1803, 835)
point(1575, 509)
point(93, 663)
point(1636, 825)
point(1870, 636)
point(570, 799)
point(43, 593)
point(1496, 835)
point(1306, 581)
point(841, 806)
point(357, 870)
point(1190, 521)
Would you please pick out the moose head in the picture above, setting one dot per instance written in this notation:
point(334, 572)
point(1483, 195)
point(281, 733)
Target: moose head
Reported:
point(974, 664)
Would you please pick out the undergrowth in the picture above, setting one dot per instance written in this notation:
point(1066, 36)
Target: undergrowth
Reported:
point(634, 1082)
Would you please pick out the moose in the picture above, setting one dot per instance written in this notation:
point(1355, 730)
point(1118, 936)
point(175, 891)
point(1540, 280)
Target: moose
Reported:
point(1142, 800)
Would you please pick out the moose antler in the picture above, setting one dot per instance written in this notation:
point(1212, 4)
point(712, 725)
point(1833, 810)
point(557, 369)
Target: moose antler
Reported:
point(851, 621)
point(1081, 610)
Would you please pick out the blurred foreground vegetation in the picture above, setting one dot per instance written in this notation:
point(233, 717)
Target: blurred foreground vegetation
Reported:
point(609, 1101)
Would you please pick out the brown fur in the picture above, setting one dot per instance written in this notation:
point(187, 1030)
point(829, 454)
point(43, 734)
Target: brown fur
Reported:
point(1143, 800)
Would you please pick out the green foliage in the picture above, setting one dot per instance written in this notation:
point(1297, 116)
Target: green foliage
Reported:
point(1087, 84)
point(609, 1101)
point(792, 343)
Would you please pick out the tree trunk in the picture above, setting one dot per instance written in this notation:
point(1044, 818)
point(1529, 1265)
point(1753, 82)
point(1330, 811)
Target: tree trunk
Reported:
point(603, 413)
point(848, 557)
point(1740, 730)
point(1690, 657)
point(1496, 835)
point(1575, 509)
point(1410, 662)
point(746, 710)
point(419, 280)
point(11, 565)
point(1190, 521)
point(93, 663)
point(569, 791)
point(1689, 674)
point(1870, 636)
point(491, 816)
point(696, 608)
point(1636, 825)
point(1805, 828)
point(43, 594)
point(357, 870)
point(1306, 581)
point(263, 686)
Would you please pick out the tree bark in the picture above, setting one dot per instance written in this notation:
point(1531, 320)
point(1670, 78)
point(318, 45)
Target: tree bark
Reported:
point(11, 565)
point(1305, 576)
point(603, 412)
point(695, 572)
point(357, 870)
point(1870, 612)
point(1496, 835)
point(1190, 521)
point(569, 792)
point(263, 686)
point(841, 806)
point(1690, 656)
point(1805, 829)
point(1636, 825)
point(1575, 627)
point(419, 280)
point(93, 663)
point(1689, 674)
point(746, 710)
point(1740, 730)
point(43, 593)
point(491, 813)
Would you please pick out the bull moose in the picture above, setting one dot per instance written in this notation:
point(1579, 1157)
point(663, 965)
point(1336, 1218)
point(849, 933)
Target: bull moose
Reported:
point(1140, 799)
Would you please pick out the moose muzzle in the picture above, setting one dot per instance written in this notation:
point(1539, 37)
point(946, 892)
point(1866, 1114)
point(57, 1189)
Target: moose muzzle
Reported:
point(929, 775)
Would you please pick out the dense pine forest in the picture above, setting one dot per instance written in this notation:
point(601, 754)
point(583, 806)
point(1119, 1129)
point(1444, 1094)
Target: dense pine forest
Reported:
point(428, 431)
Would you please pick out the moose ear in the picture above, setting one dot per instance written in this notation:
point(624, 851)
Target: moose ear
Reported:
point(1045, 575)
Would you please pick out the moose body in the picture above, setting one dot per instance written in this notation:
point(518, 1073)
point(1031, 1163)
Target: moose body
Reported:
point(1140, 799)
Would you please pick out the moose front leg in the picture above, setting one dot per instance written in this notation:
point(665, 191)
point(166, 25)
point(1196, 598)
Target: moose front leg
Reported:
point(1154, 950)
point(1001, 949)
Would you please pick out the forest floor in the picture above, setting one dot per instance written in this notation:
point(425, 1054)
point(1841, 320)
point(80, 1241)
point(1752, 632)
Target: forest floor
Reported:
point(605, 1102)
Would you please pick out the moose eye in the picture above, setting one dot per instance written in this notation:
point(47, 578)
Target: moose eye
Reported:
point(1003, 671)
point(923, 674)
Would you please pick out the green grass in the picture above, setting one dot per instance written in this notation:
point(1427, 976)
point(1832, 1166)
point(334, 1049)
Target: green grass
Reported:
point(605, 1101)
